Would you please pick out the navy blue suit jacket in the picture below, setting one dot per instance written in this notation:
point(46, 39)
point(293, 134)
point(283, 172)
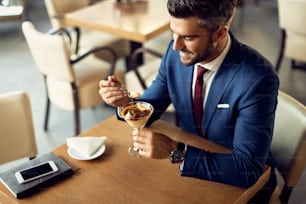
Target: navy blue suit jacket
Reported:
point(246, 81)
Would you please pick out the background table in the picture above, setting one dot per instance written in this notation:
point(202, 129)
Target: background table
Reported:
point(137, 22)
point(13, 10)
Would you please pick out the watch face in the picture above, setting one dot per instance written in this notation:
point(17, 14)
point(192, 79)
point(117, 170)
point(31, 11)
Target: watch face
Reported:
point(177, 156)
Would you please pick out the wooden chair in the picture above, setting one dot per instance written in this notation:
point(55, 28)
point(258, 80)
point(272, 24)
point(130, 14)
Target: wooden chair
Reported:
point(16, 127)
point(85, 39)
point(292, 17)
point(289, 142)
point(71, 84)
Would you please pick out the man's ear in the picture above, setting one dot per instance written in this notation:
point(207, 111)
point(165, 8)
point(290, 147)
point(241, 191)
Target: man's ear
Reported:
point(220, 33)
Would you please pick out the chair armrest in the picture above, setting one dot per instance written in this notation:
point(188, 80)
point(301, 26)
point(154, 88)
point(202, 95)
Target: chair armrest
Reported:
point(134, 65)
point(251, 191)
point(61, 31)
point(67, 32)
point(98, 49)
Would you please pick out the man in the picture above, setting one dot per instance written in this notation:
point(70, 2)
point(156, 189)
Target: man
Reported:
point(239, 94)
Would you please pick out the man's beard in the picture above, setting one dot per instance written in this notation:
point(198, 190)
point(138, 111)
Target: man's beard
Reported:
point(209, 51)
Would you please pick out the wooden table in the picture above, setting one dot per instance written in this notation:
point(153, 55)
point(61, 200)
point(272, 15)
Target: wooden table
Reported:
point(137, 22)
point(116, 177)
point(13, 11)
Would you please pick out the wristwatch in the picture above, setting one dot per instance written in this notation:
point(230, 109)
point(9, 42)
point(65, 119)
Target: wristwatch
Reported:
point(177, 155)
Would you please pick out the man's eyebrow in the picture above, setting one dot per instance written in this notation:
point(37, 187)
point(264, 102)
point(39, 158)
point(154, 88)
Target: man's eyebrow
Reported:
point(189, 36)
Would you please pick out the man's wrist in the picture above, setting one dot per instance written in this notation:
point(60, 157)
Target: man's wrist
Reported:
point(178, 154)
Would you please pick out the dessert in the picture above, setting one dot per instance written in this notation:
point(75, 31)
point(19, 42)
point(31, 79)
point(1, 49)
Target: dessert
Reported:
point(136, 114)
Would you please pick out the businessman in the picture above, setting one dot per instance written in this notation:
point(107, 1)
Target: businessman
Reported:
point(222, 90)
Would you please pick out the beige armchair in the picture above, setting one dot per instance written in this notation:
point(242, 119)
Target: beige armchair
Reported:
point(85, 39)
point(70, 84)
point(289, 142)
point(16, 127)
point(292, 17)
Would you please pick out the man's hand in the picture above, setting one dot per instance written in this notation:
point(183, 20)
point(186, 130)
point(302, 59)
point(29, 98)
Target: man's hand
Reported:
point(113, 92)
point(152, 144)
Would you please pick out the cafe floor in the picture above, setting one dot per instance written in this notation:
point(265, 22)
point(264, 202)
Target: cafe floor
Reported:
point(255, 25)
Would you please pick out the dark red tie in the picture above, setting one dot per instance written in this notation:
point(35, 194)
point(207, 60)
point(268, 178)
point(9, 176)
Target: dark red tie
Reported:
point(198, 99)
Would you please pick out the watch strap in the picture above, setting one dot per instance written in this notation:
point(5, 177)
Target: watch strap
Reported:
point(180, 146)
point(177, 155)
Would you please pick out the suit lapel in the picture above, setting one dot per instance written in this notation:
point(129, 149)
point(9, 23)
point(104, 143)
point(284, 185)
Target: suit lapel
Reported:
point(218, 87)
point(187, 73)
point(223, 78)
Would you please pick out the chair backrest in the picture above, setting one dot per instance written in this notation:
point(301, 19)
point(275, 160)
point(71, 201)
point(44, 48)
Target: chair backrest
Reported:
point(289, 139)
point(141, 77)
point(147, 73)
point(292, 17)
point(16, 127)
point(57, 8)
point(50, 52)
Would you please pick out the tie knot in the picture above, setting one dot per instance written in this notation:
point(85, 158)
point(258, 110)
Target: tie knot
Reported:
point(200, 71)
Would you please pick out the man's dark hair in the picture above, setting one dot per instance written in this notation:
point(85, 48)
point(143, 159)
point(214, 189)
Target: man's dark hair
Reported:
point(211, 13)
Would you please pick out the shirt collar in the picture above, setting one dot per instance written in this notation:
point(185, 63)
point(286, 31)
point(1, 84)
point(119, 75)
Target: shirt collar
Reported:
point(215, 64)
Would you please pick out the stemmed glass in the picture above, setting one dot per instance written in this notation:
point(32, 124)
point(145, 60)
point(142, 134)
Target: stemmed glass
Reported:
point(136, 114)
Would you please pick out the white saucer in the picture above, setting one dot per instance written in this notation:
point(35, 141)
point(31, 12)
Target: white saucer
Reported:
point(76, 155)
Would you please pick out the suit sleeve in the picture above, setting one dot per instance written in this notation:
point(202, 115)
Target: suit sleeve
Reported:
point(157, 93)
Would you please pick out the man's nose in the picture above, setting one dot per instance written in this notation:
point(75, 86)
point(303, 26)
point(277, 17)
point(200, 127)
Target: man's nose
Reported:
point(178, 43)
